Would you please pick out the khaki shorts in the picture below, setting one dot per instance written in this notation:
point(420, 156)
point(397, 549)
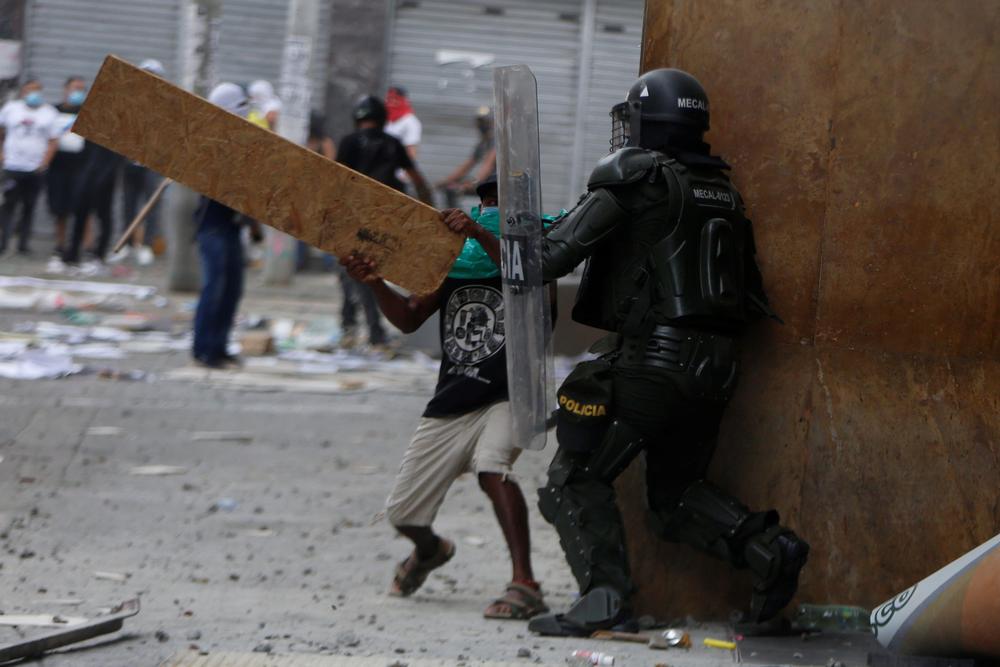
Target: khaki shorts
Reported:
point(441, 450)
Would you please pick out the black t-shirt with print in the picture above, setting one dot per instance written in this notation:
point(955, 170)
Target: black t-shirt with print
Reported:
point(473, 354)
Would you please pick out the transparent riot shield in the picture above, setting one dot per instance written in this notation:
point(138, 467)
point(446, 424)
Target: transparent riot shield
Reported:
point(527, 320)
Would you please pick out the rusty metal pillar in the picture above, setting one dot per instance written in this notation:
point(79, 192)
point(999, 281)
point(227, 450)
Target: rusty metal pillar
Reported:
point(866, 140)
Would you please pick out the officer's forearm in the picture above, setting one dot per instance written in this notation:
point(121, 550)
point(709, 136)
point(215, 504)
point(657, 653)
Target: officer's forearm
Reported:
point(558, 259)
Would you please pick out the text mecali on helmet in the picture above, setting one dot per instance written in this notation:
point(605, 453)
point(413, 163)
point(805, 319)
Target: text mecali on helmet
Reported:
point(659, 96)
point(370, 108)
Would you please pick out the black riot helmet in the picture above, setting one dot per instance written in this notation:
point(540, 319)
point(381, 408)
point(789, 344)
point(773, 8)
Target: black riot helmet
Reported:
point(370, 108)
point(660, 98)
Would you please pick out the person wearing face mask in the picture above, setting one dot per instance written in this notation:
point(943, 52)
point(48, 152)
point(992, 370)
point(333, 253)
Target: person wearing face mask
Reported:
point(402, 123)
point(466, 425)
point(95, 191)
point(30, 131)
point(64, 172)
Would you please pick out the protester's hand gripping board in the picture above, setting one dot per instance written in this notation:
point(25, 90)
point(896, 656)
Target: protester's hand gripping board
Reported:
point(527, 318)
point(258, 173)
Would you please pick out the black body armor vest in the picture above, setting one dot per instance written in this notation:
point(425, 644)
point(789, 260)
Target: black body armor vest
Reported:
point(681, 259)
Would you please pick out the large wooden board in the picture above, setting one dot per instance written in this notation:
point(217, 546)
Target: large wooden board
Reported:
point(266, 177)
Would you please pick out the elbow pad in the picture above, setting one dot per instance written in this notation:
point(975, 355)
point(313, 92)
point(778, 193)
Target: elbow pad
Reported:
point(573, 239)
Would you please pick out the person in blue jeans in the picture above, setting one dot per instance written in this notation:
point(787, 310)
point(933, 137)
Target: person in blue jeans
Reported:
point(221, 259)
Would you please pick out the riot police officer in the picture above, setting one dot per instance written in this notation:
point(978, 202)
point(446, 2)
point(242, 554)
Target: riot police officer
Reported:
point(671, 271)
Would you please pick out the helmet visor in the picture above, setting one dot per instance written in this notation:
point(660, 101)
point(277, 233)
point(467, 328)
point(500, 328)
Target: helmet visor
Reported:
point(620, 126)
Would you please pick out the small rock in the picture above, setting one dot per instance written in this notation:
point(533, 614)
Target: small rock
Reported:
point(264, 647)
point(399, 650)
point(348, 639)
point(523, 652)
point(193, 636)
point(162, 636)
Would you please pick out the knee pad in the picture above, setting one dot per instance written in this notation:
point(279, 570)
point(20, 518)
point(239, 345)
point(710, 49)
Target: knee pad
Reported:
point(621, 444)
point(588, 522)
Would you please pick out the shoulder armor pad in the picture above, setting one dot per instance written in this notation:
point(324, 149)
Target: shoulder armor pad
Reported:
point(624, 166)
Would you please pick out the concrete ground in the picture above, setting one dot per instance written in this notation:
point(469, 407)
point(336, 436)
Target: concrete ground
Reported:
point(269, 543)
point(263, 548)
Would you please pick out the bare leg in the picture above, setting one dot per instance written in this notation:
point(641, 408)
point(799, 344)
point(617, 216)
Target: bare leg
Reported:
point(512, 514)
point(423, 538)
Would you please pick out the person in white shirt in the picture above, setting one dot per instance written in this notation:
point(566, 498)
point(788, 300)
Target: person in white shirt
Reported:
point(403, 124)
point(265, 106)
point(30, 133)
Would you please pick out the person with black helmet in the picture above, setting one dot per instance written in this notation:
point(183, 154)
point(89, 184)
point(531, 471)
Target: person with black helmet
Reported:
point(374, 153)
point(671, 273)
point(466, 425)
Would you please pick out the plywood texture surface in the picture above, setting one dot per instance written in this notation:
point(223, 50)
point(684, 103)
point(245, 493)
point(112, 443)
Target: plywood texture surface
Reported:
point(865, 139)
point(266, 177)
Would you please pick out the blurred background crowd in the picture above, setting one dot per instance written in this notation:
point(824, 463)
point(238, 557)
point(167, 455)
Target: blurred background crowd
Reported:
point(430, 61)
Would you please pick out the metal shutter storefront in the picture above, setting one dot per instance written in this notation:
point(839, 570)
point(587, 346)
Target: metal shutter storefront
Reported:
point(542, 33)
point(252, 40)
point(72, 37)
point(617, 42)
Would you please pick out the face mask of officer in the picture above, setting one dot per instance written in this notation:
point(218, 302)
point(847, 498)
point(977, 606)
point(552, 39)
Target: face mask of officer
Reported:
point(76, 97)
point(34, 99)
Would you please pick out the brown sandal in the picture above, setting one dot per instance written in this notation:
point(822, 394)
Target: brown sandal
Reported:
point(521, 601)
point(412, 572)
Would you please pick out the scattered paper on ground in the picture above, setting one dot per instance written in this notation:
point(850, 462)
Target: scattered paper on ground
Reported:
point(37, 365)
point(122, 289)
